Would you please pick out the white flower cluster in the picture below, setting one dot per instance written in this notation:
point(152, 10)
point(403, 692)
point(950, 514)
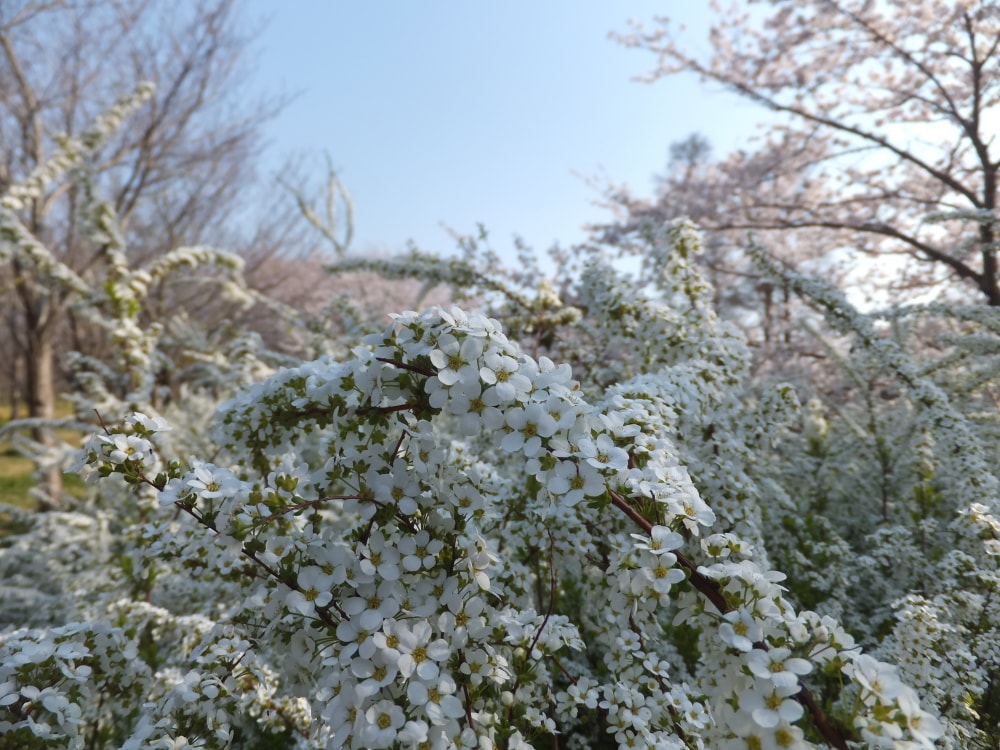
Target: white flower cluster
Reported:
point(453, 547)
point(441, 541)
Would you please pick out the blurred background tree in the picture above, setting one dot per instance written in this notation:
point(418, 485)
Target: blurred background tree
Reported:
point(180, 173)
point(879, 171)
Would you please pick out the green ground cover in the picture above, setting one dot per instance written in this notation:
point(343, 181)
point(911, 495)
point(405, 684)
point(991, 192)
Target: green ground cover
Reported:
point(15, 469)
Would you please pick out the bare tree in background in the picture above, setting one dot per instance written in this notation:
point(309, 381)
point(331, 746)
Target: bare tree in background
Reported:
point(177, 174)
point(887, 140)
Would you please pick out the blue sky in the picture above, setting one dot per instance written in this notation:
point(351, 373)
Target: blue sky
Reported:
point(453, 113)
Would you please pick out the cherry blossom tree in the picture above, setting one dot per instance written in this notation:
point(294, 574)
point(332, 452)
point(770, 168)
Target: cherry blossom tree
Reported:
point(696, 187)
point(884, 138)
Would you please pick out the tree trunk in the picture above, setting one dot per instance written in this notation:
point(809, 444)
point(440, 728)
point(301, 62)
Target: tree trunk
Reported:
point(41, 396)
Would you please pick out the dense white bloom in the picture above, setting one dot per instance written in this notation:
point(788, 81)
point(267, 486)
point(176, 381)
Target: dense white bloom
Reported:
point(777, 665)
point(770, 703)
point(741, 630)
point(382, 723)
point(435, 698)
point(441, 540)
point(420, 653)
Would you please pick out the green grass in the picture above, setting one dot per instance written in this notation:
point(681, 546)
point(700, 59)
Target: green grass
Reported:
point(15, 469)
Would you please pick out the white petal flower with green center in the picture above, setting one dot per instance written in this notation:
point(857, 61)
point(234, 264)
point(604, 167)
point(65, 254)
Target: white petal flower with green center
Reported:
point(777, 665)
point(500, 373)
point(418, 654)
point(660, 541)
point(770, 704)
point(924, 727)
point(436, 699)
point(528, 426)
point(382, 723)
point(120, 449)
point(313, 593)
point(456, 359)
point(603, 453)
point(419, 551)
point(414, 734)
point(573, 482)
point(380, 560)
point(209, 481)
point(374, 604)
point(375, 673)
point(741, 630)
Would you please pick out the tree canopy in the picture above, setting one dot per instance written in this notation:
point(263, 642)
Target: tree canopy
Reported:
point(886, 140)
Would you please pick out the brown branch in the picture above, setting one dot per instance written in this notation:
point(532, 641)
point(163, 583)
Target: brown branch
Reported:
point(710, 589)
point(552, 591)
point(465, 692)
point(407, 366)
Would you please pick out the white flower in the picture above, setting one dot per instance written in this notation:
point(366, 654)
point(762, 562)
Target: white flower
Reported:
point(375, 673)
point(209, 481)
point(770, 704)
point(603, 453)
point(380, 560)
point(374, 604)
point(436, 699)
point(923, 726)
point(464, 619)
point(879, 679)
point(741, 629)
point(382, 722)
point(528, 426)
point(660, 541)
point(418, 654)
point(500, 372)
point(573, 482)
point(313, 593)
point(615, 421)
point(476, 666)
point(127, 448)
point(419, 551)
point(777, 665)
point(456, 359)
point(354, 638)
point(660, 576)
point(413, 734)
point(149, 424)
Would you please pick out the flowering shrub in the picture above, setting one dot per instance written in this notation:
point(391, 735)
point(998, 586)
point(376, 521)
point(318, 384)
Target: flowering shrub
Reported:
point(446, 541)
point(446, 538)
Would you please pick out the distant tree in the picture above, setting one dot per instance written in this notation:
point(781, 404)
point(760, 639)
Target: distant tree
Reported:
point(886, 144)
point(176, 176)
point(695, 186)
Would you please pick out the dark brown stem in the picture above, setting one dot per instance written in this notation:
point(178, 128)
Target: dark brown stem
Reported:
point(399, 444)
point(552, 591)
point(404, 366)
point(465, 692)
